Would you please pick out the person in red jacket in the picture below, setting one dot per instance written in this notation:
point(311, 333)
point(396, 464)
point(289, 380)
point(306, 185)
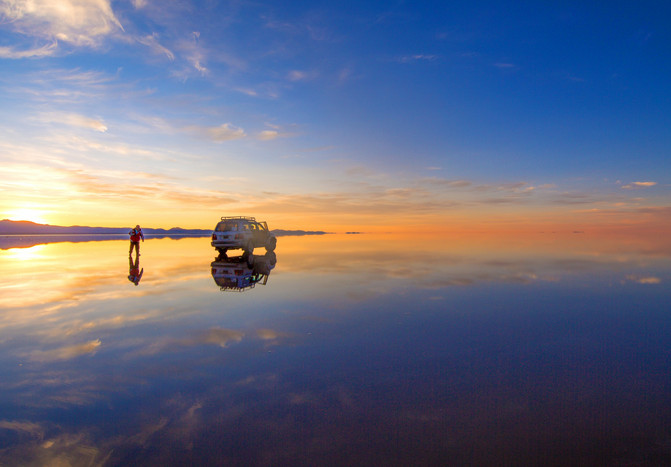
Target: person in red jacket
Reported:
point(135, 236)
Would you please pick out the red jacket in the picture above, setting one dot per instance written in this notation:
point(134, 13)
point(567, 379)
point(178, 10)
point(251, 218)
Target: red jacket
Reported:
point(135, 235)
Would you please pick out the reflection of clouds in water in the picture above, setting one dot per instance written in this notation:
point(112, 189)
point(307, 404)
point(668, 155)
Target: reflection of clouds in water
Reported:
point(220, 337)
point(190, 369)
point(65, 353)
point(148, 430)
point(44, 448)
point(513, 278)
point(215, 336)
point(48, 387)
point(34, 430)
point(644, 279)
point(272, 337)
point(408, 266)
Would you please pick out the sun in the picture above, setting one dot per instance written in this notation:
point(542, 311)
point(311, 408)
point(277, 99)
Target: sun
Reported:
point(32, 215)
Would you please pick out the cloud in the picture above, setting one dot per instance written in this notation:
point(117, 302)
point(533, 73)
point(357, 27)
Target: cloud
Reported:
point(94, 187)
point(247, 91)
point(574, 198)
point(75, 120)
point(416, 58)
point(151, 41)
point(442, 182)
point(194, 54)
point(505, 66)
point(268, 135)
point(296, 75)
point(359, 171)
point(344, 75)
point(76, 22)
point(299, 75)
point(371, 202)
point(61, 85)
point(638, 185)
point(225, 132)
point(44, 51)
point(516, 188)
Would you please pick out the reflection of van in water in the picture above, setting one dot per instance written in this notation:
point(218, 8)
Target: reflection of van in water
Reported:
point(242, 232)
point(241, 273)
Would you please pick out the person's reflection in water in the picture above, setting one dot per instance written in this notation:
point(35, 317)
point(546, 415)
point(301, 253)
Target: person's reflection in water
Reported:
point(134, 272)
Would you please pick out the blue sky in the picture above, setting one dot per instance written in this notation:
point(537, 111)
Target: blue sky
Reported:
point(305, 112)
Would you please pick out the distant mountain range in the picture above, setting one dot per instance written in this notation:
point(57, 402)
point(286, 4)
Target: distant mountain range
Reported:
point(8, 227)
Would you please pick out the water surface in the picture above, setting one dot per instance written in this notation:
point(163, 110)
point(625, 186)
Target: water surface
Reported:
point(551, 349)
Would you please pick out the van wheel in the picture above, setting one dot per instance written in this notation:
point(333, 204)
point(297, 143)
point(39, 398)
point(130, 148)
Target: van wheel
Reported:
point(250, 247)
point(271, 244)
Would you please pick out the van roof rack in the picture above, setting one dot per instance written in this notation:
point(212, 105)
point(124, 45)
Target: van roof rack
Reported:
point(246, 218)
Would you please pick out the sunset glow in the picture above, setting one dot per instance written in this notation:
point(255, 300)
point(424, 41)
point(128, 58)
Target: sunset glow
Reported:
point(337, 117)
point(31, 215)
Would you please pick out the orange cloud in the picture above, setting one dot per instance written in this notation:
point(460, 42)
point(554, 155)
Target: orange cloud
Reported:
point(638, 185)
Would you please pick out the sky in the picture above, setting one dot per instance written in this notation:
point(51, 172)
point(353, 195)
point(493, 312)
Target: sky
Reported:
point(352, 115)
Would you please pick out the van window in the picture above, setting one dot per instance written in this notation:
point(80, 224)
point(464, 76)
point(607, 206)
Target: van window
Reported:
point(226, 226)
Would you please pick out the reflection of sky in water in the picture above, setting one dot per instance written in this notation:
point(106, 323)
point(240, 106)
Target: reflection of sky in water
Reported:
point(358, 350)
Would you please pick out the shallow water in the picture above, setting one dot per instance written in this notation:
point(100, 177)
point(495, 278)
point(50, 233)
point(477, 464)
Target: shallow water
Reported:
point(552, 349)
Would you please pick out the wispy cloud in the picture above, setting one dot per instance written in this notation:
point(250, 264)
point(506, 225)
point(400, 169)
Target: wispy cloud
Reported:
point(417, 58)
point(442, 182)
point(66, 86)
point(152, 42)
point(268, 135)
point(43, 51)
point(638, 185)
point(297, 75)
point(195, 55)
point(74, 120)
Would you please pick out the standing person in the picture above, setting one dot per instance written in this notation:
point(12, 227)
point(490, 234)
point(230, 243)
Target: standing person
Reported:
point(135, 236)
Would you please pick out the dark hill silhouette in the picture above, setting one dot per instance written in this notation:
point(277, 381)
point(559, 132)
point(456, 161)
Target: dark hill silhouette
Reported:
point(8, 227)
